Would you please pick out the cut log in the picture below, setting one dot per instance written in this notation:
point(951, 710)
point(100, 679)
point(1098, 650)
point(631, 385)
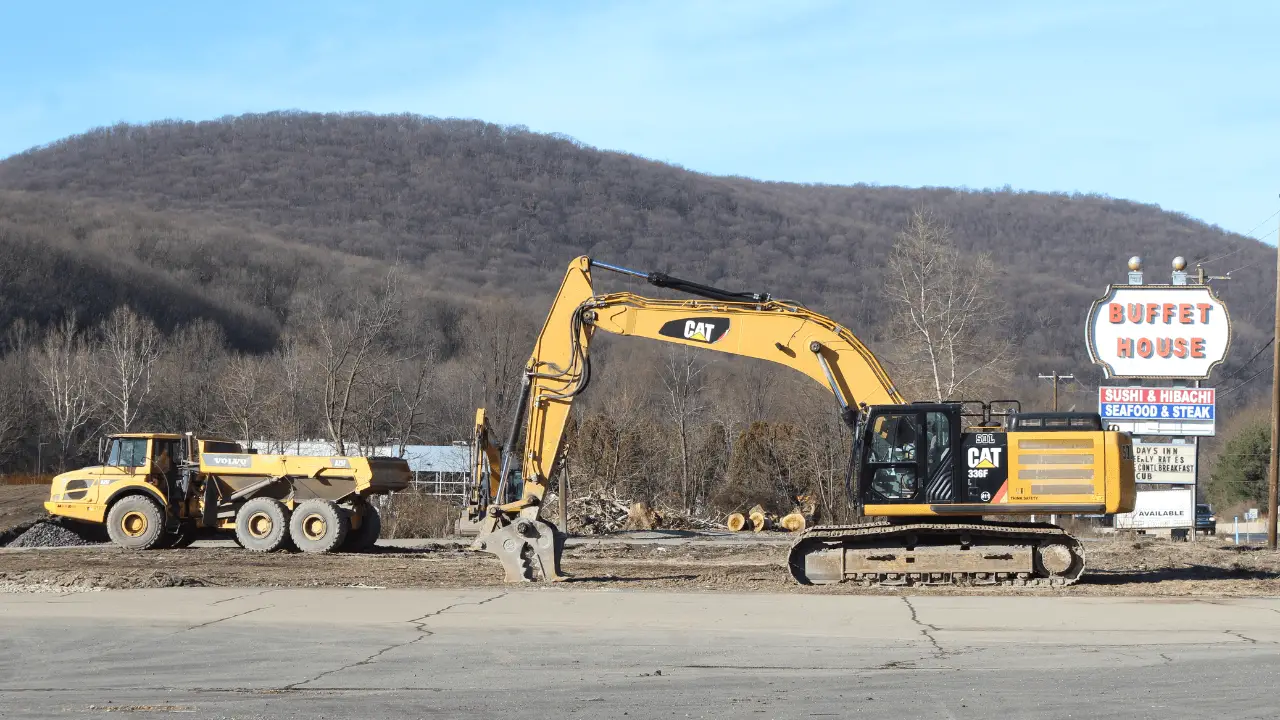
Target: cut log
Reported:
point(759, 521)
point(793, 522)
point(643, 517)
point(737, 522)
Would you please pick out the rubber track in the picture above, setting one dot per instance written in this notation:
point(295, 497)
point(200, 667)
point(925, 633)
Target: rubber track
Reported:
point(812, 538)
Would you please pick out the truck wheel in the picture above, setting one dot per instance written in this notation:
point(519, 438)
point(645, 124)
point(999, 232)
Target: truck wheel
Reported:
point(262, 525)
point(136, 522)
point(364, 537)
point(318, 526)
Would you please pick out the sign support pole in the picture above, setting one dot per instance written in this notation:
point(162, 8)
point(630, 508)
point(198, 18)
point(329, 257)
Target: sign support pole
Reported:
point(1274, 471)
point(1195, 483)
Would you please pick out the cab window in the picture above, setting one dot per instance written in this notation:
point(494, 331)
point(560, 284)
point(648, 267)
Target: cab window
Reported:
point(895, 442)
point(939, 442)
point(895, 483)
point(894, 439)
point(128, 452)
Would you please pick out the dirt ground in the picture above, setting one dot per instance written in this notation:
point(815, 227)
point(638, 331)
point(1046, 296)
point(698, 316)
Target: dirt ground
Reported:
point(1116, 567)
point(20, 505)
point(1131, 566)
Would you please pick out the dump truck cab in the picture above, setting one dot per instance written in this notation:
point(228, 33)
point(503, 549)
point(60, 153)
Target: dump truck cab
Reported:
point(161, 489)
point(128, 463)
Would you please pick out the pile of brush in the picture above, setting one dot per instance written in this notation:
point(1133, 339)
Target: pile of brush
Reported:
point(599, 515)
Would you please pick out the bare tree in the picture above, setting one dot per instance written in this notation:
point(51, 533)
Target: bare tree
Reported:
point(946, 313)
point(414, 384)
point(188, 371)
point(244, 394)
point(11, 407)
point(498, 338)
point(20, 404)
point(682, 377)
point(292, 368)
point(130, 347)
point(62, 363)
point(349, 332)
point(614, 442)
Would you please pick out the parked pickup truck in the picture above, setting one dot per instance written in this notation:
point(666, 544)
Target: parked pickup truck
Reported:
point(1206, 522)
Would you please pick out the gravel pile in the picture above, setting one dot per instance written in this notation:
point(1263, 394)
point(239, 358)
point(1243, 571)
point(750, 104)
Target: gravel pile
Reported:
point(47, 534)
point(31, 588)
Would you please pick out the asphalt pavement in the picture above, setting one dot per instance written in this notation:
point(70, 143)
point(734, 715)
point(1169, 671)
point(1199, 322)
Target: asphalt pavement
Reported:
point(561, 652)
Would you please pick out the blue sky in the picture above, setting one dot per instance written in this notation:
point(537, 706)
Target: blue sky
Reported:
point(1174, 103)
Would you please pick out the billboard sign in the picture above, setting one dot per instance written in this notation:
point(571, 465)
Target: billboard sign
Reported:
point(1159, 411)
point(1165, 463)
point(1160, 509)
point(1158, 331)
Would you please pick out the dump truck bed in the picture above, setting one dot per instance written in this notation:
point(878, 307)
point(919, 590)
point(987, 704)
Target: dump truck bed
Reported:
point(372, 476)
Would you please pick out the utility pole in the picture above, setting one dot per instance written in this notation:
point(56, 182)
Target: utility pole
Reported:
point(1055, 377)
point(1274, 472)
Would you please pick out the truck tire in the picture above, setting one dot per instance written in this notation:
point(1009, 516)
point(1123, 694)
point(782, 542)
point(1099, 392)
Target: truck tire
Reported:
point(262, 525)
point(136, 522)
point(366, 536)
point(318, 526)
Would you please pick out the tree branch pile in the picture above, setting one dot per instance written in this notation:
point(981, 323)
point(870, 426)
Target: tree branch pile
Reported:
point(600, 514)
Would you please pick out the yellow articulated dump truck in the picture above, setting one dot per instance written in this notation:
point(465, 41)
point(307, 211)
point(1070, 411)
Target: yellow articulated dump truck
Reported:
point(155, 490)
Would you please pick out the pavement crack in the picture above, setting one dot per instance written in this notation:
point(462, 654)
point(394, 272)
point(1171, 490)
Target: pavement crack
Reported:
point(238, 597)
point(419, 624)
point(222, 619)
point(1242, 637)
point(1168, 660)
point(926, 629)
point(915, 617)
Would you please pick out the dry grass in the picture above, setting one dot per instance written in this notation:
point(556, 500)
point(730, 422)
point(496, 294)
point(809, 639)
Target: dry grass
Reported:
point(414, 513)
point(25, 479)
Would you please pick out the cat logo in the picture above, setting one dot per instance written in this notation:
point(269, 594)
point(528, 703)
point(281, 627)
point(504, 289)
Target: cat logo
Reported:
point(698, 329)
point(987, 457)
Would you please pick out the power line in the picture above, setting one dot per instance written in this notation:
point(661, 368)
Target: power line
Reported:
point(1260, 237)
point(1220, 257)
point(1240, 369)
point(1242, 267)
point(1244, 382)
point(1087, 388)
point(1249, 235)
point(1264, 222)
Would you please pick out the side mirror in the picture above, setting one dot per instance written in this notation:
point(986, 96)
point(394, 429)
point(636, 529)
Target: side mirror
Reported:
point(102, 447)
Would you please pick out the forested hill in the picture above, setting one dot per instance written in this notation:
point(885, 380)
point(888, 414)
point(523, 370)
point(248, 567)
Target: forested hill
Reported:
point(225, 217)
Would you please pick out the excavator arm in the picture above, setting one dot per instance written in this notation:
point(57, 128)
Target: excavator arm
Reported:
point(748, 324)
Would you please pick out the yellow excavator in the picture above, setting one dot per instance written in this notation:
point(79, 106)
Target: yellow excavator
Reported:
point(921, 475)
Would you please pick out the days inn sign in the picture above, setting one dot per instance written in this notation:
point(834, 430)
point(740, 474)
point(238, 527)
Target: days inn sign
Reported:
point(1158, 331)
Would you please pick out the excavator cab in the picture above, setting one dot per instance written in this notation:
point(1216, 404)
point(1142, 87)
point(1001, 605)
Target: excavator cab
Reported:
point(963, 458)
point(909, 455)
